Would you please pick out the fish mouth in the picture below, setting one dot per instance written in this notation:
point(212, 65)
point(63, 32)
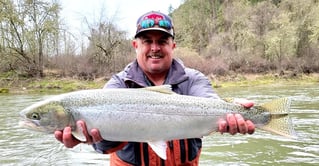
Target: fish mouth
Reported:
point(26, 124)
point(30, 124)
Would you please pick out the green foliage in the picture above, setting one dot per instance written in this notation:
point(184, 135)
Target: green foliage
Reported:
point(248, 31)
point(281, 39)
point(195, 18)
point(228, 36)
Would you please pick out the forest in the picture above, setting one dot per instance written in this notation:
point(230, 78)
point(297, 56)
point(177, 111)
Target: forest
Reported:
point(217, 37)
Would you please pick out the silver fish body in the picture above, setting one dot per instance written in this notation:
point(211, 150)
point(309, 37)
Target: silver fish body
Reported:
point(148, 114)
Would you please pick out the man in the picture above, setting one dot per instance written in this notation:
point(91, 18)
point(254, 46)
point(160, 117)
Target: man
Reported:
point(155, 65)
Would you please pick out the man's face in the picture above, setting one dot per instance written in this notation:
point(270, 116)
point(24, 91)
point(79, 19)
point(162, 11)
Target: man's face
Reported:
point(154, 51)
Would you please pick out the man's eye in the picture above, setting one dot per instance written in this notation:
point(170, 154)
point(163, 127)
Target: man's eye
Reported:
point(147, 41)
point(162, 42)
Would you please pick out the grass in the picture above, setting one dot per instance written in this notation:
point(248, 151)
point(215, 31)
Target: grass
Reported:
point(255, 80)
point(61, 85)
point(48, 85)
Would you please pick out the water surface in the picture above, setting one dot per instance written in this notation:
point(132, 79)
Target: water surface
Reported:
point(19, 146)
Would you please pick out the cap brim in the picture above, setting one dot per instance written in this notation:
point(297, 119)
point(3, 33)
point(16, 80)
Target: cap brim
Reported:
point(153, 29)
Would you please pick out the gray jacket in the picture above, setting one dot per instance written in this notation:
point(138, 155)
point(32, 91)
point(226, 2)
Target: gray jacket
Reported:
point(184, 81)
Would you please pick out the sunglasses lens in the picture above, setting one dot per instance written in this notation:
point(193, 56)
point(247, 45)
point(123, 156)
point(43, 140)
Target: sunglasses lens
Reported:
point(149, 23)
point(164, 24)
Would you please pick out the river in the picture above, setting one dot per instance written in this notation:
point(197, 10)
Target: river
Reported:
point(19, 146)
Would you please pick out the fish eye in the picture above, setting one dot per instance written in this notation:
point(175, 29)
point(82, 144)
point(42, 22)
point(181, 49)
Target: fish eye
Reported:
point(35, 116)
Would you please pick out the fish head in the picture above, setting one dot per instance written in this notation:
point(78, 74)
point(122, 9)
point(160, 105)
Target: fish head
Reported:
point(46, 116)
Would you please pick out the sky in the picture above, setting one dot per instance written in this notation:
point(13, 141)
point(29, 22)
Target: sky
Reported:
point(123, 13)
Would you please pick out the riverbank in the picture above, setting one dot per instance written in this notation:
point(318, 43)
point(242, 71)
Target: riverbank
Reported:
point(264, 79)
point(48, 85)
point(16, 85)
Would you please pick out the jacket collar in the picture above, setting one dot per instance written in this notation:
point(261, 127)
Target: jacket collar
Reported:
point(176, 74)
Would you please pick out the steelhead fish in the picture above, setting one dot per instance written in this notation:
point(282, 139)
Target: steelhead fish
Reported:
point(153, 115)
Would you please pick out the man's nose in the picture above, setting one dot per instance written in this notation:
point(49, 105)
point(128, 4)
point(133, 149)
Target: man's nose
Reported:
point(155, 47)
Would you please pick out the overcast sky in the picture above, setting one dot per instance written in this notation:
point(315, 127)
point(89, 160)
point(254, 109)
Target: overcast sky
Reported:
point(124, 13)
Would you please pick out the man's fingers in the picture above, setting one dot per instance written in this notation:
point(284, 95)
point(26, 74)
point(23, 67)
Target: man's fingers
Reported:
point(244, 102)
point(242, 126)
point(70, 141)
point(66, 134)
point(92, 137)
point(58, 135)
point(232, 124)
point(67, 138)
point(222, 126)
point(82, 126)
point(235, 123)
point(96, 135)
point(250, 127)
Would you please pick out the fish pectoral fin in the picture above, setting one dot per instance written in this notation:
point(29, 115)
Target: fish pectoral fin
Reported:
point(159, 147)
point(79, 135)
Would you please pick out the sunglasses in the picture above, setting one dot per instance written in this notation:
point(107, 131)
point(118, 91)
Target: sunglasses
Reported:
point(149, 23)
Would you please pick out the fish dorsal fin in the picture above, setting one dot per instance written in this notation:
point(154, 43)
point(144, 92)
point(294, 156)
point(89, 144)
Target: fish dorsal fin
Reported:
point(167, 89)
point(159, 147)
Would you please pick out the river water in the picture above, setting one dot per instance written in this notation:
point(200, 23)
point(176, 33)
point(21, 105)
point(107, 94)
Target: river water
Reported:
point(19, 146)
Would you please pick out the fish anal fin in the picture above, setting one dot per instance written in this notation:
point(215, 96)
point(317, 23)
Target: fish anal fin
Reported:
point(159, 147)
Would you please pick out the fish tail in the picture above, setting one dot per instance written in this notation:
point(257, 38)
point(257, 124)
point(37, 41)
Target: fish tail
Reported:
point(280, 122)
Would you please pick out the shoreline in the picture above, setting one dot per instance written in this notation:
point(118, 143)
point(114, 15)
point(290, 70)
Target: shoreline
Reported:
point(264, 79)
point(62, 85)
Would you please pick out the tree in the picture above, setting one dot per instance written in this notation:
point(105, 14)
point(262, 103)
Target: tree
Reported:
point(27, 26)
point(259, 24)
point(281, 39)
point(193, 24)
point(105, 41)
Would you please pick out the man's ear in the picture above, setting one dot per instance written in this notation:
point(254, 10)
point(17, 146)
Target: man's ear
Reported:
point(134, 44)
point(174, 44)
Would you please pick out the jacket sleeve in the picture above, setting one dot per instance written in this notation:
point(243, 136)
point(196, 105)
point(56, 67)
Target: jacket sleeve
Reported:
point(116, 81)
point(105, 146)
point(199, 85)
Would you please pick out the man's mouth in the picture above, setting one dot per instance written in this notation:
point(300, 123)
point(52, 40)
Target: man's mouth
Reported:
point(155, 56)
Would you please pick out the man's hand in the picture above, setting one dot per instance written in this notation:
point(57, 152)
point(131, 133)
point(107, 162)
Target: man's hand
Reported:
point(70, 141)
point(235, 123)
